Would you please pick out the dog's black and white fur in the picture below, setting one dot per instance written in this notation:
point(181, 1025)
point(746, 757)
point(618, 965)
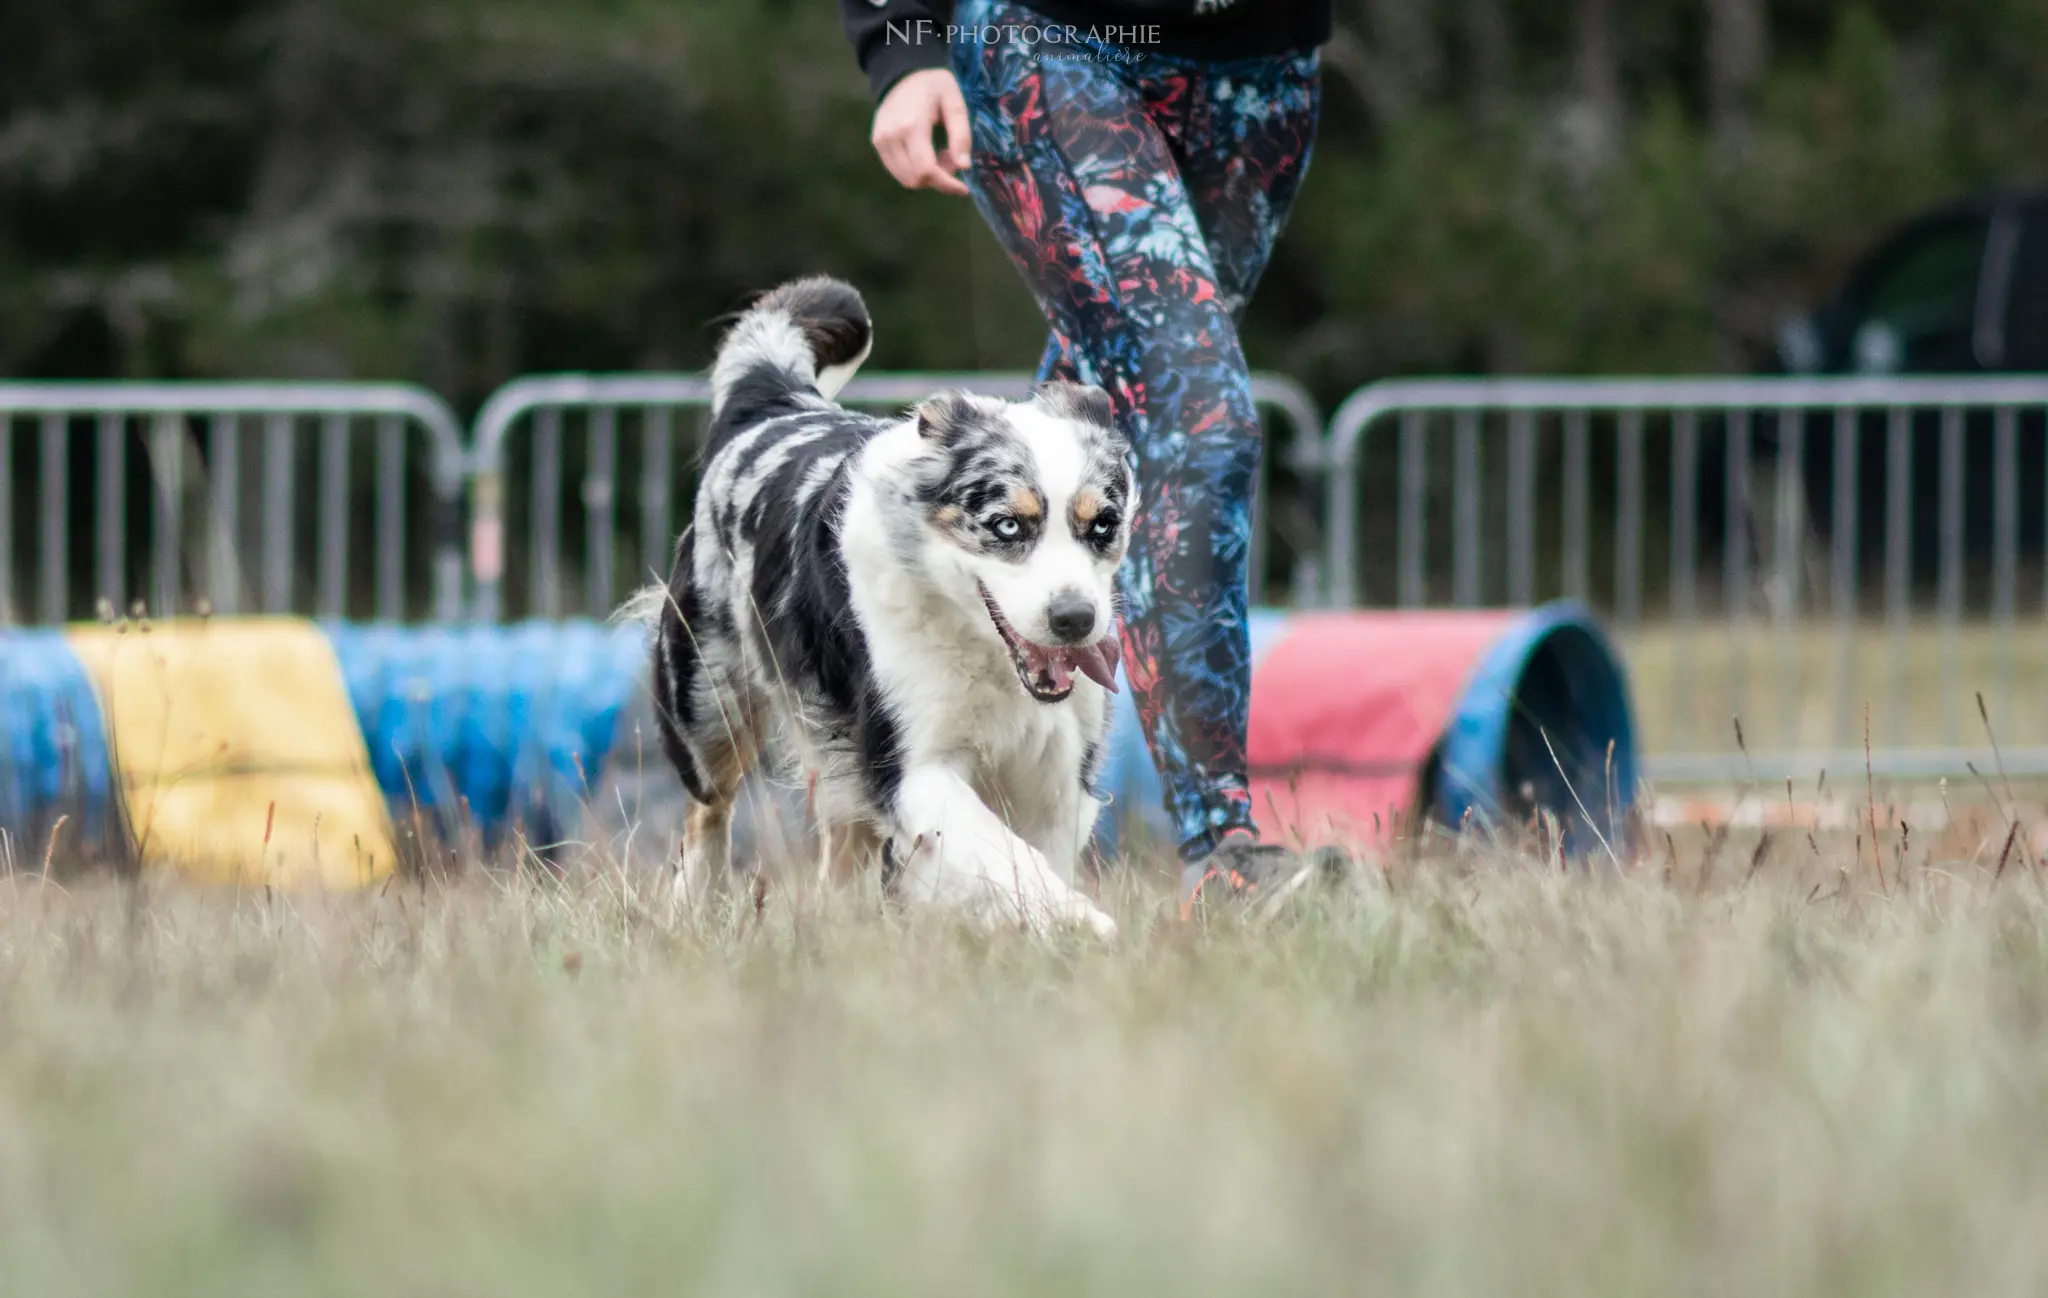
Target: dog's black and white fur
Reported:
point(915, 617)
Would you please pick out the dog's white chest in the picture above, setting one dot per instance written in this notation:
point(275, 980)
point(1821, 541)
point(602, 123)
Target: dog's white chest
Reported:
point(1028, 761)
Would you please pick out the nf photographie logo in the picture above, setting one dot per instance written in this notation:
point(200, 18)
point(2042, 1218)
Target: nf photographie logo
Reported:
point(918, 31)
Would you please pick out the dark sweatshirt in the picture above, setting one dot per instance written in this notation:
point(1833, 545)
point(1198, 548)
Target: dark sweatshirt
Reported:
point(896, 37)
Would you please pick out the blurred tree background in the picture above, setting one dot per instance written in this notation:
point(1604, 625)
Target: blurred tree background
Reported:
point(459, 191)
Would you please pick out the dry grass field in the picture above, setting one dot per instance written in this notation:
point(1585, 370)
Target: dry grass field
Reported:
point(1715, 1071)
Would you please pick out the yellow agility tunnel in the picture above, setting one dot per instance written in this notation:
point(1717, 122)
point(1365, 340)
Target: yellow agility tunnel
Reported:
point(235, 751)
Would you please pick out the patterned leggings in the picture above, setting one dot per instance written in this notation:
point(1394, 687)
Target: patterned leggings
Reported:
point(1140, 195)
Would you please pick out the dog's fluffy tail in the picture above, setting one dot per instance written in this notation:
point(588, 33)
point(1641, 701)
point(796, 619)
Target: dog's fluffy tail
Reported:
point(809, 335)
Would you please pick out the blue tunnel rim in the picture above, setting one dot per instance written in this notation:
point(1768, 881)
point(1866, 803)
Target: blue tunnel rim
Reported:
point(1474, 748)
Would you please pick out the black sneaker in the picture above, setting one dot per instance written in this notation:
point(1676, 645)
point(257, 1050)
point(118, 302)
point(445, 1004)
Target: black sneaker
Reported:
point(1246, 872)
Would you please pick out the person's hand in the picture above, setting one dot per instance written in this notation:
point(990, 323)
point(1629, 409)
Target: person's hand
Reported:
point(903, 131)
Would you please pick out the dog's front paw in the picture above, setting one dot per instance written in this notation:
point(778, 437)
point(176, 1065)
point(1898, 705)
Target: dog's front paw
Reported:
point(1032, 893)
point(1048, 916)
point(1002, 882)
point(1096, 920)
point(962, 857)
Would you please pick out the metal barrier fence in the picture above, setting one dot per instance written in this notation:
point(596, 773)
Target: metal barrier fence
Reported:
point(1887, 536)
point(194, 440)
point(624, 428)
point(1789, 553)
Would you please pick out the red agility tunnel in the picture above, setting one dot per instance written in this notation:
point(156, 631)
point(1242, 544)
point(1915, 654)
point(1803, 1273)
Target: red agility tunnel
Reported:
point(1364, 721)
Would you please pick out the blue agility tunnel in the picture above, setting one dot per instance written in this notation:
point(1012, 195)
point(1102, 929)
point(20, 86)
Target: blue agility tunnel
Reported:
point(53, 749)
point(491, 726)
point(1361, 722)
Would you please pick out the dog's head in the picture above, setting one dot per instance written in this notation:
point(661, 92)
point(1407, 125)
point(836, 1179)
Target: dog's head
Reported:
point(1026, 514)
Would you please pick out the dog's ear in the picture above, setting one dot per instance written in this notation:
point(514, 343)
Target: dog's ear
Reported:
point(1083, 402)
point(943, 417)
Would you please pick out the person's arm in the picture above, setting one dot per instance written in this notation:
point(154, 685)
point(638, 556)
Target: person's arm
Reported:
point(901, 45)
point(895, 38)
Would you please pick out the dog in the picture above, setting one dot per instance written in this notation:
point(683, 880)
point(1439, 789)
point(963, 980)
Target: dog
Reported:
point(914, 617)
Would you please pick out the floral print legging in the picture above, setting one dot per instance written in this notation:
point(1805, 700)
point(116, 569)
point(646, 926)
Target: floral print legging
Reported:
point(1140, 195)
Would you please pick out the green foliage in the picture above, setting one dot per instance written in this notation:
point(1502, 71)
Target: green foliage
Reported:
point(1462, 239)
point(460, 191)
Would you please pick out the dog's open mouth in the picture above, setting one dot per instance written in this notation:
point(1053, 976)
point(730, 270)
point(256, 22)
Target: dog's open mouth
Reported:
point(1048, 673)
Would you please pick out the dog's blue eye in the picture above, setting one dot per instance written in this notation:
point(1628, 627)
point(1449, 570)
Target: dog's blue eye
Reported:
point(1103, 528)
point(1006, 527)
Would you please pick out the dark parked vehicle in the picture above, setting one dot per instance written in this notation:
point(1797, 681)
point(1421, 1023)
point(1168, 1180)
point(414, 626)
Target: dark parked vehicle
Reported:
point(1961, 290)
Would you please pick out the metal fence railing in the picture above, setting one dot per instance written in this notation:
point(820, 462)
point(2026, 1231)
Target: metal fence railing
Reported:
point(600, 431)
point(1795, 555)
point(226, 471)
point(1818, 558)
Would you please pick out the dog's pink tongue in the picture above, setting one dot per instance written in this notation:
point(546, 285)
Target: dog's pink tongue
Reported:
point(1098, 662)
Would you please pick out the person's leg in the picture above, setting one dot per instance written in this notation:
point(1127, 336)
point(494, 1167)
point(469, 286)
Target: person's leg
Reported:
point(1082, 186)
point(1057, 362)
point(1241, 135)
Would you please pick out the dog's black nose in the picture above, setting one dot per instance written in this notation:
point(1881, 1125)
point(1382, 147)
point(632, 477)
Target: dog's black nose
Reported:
point(1070, 617)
